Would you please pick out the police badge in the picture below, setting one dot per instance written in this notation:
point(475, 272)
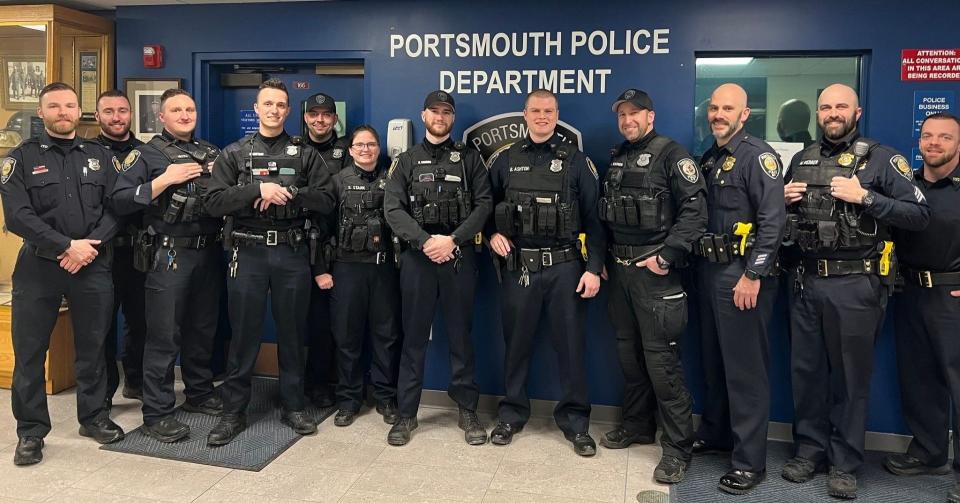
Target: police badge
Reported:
point(7, 169)
point(292, 150)
point(644, 159)
point(900, 164)
point(556, 165)
point(688, 169)
point(728, 163)
point(337, 153)
point(770, 164)
point(93, 164)
point(454, 156)
point(845, 160)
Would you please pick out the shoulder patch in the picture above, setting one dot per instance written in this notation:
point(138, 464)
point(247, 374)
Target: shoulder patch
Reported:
point(593, 169)
point(770, 164)
point(131, 159)
point(393, 166)
point(6, 169)
point(688, 169)
point(900, 164)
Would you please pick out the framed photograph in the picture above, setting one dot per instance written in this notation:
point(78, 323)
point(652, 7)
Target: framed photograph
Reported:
point(89, 84)
point(144, 95)
point(23, 78)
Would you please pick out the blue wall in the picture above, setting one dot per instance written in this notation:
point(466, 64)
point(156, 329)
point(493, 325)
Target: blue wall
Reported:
point(396, 87)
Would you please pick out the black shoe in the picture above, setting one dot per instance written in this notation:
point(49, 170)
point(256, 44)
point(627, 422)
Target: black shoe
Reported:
point(133, 393)
point(799, 470)
point(29, 451)
point(345, 417)
point(474, 432)
point(583, 444)
point(704, 447)
point(211, 406)
point(389, 412)
point(400, 433)
point(620, 438)
point(103, 431)
point(503, 433)
point(670, 470)
point(167, 430)
point(741, 481)
point(300, 421)
point(905, 464)
point(841, 484)
point(227, 429)
point(954, 495)
point(322, 397)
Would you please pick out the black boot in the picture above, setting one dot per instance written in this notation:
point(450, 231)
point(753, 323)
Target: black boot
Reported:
point(29, 451)
point(167, 430)
point(401, 431)
point(503, 433)
point(102, 430)
point(299, 421)
point(741, 481)
point(474, 432)
point(211, 406)
point(620, 438)
point(227, 429)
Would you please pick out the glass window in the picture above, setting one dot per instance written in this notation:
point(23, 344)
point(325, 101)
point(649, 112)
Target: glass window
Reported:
point(782, 92)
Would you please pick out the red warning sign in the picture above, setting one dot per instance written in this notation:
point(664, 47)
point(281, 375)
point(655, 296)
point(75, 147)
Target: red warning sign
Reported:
point(931, 65)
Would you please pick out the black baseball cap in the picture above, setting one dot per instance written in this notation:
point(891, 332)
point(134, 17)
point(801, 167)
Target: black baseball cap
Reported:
point(639, 99)
point(439, 97)
point(322, 101)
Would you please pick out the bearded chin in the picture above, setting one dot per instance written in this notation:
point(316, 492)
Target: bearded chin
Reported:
point(843, 131)
point(439, 130)
point(63, 128)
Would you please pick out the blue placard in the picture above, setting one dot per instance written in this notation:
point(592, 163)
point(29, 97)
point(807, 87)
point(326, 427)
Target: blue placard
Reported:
point(916, 160)
point(930, 102)
point(249, 123)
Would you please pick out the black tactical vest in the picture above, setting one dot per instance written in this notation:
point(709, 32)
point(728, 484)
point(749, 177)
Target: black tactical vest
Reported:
point(184, 203)
point(362, 226)
point(285, 168)
point(538, 201)
point(629, 196)
point(440, 197)
point(824, 223)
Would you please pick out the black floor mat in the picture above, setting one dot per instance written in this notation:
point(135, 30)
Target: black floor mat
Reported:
point(876, 485)
point(265, 438)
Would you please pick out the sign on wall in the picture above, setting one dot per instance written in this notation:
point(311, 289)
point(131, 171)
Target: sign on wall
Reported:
point(927, 103)
point(930, 65)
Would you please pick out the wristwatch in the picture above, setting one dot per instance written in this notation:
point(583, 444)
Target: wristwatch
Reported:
point(663, 263)
point(868, 199)
point(751, 274)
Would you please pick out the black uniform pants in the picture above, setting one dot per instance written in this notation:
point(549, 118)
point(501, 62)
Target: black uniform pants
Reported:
point(551, 294)
point(284, 273)
point(184, 308)
point(321, 372)
point(424, 285)
point(39, 286)
point(834, 324)
point(128, 286)
point(928, 356)
point(649, 315)
point(736, 360)
point(366, 297)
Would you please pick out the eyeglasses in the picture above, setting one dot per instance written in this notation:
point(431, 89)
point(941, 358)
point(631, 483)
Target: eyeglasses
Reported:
point(367, 146)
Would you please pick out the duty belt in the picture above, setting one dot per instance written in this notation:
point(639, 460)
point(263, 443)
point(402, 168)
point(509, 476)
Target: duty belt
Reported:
point(534, 259)
point(293, 237)
point(825, 267)
point(196, 242)
point(930, 279)
point(719, 248)
point(631, 254)
point(378, 258)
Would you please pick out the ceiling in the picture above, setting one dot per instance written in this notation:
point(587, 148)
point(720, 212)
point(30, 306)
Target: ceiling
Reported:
point(113, 4)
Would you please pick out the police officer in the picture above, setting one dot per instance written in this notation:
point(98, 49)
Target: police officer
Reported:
point(437, 199)
point(928, 313)
point(113, 114)
point(365, 291)
point(654, 207)
point(843, 194)
point(545, 195)
point(165, 179)
point(55, 190)
point(320, 116)
point(264, 183)
point(737, 285)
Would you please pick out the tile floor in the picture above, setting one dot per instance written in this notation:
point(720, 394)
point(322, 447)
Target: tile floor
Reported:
point(346, 465)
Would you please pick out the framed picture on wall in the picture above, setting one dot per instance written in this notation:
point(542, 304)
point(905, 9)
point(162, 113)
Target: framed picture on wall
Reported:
point(23, 78)
point(144, 95)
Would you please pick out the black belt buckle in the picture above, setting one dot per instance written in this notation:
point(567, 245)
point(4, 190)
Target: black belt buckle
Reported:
point(546, 258)
point(272, 238)
point(926, 279)
point(823, 269)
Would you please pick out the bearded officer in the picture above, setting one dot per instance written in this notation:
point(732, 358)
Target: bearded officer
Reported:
point(546, 191)
point(437, 199)
point(844, 194)
point(113, 114)
point(166, 179)
point(55, 189)
point(654, 207)
point(265, 183)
